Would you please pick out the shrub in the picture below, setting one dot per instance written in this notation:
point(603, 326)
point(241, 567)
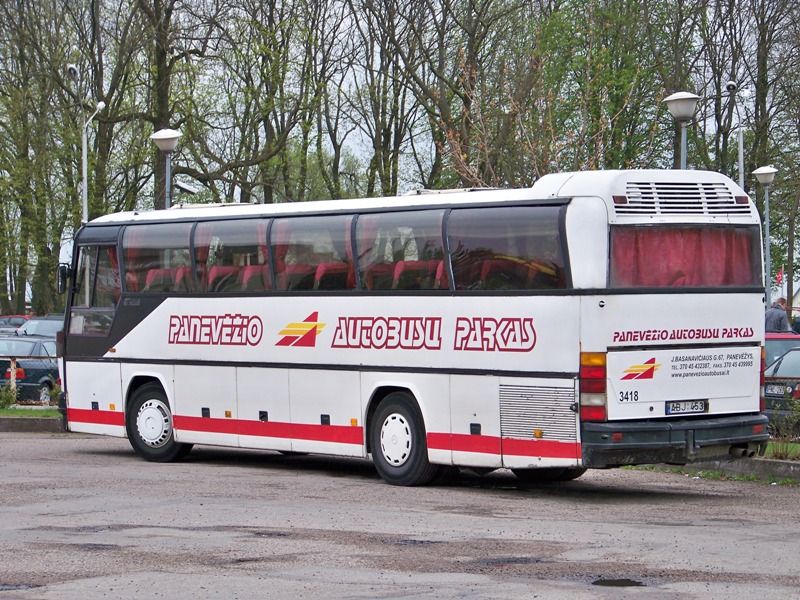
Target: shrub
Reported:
point(7, 396)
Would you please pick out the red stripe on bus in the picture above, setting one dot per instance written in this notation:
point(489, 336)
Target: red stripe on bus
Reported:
point(95, 417)
point(317, 433)
point(205, 424)
point(485, 444)
point(545, 448)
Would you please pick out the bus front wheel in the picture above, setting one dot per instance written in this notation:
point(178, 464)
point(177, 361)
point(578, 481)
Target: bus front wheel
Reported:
point(399, 448)
point(149, 425)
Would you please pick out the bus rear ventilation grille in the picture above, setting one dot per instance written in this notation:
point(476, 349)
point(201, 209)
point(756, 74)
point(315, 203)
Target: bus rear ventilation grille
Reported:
point(680, 199)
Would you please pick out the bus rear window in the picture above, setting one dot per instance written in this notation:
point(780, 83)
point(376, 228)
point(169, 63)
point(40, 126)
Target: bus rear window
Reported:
point(684, 256)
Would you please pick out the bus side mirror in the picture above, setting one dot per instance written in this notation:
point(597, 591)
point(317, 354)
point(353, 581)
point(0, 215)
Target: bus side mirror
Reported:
point(62, 275)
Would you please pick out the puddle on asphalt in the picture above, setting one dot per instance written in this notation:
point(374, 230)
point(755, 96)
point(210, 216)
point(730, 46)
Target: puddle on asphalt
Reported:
point(618, 583)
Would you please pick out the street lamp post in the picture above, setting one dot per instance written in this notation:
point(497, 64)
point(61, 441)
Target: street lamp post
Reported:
point(681, 106)
point(766, 176)
point(84, 164)
point(167, 141)
point(737, 95)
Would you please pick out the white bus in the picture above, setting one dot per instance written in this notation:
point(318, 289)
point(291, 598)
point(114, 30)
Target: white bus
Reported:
point(595, 320)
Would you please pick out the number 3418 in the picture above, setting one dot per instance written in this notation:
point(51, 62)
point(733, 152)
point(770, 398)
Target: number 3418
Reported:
point(629, 396)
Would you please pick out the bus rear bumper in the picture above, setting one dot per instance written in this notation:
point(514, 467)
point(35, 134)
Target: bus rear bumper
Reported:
point(679, 442)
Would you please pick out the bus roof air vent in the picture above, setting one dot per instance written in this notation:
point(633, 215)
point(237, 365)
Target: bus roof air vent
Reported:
point(673, 198)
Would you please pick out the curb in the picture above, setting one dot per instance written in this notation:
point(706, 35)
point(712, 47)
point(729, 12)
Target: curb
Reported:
point(763, 468)
point(31, 425)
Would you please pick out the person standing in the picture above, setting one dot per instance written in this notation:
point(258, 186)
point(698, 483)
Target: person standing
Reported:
point(775, 319)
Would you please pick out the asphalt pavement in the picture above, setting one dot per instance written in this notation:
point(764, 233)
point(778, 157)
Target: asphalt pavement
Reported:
point(762, 468)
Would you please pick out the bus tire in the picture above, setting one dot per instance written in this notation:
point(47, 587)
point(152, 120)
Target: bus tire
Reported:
point(399, 448)
point(549, 474)
point(572, 473)
point(148, 423)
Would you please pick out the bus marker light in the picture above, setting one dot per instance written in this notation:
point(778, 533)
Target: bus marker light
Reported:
point(537, 433)
point(620, 200)
point(227, 414)
point(758, 429)
point(353, 422)
point(741, 199)
point(112, 407)
point(616, 436)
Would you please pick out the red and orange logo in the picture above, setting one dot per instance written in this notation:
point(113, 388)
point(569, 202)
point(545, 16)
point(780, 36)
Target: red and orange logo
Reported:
point(645, 370)
point(302, 334)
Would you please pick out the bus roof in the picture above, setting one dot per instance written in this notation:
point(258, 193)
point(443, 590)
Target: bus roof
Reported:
point(650, 184)
point(203, 211)
point(607, 184)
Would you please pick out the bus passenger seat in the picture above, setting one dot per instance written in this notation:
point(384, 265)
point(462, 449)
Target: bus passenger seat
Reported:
point(223, 278)
point(441, 277)
point(159, 280)
point(331, 276)
point(183, 280)
point(298, 277)
point(413, 274)
point(504, 274)
point(255, 278)
point(378, 277)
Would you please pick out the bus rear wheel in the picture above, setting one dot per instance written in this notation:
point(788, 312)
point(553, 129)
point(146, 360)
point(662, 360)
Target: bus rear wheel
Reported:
point(549, 474)
point(149, 425)
point(397, 441)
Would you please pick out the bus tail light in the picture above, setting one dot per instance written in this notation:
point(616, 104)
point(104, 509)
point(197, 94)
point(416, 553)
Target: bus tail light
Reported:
point(592, 386)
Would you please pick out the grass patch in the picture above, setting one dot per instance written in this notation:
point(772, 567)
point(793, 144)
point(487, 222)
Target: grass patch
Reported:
point(29, 412)
point(786, 481)
point(782, 449)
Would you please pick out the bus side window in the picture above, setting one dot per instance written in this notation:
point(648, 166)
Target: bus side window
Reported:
point(508, 248)
point(401, 251)
point(313, 253)
point(231, 256)
point(157, 259)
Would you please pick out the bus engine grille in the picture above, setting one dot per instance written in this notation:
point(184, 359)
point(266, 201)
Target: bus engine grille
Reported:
point(525, 409)
point(654, 198)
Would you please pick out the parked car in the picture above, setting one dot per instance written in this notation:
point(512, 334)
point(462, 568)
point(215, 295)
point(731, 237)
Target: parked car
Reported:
point(10, 323)
point(777, 344)
point(37, 368)
point(49, 325)
point(782, 391)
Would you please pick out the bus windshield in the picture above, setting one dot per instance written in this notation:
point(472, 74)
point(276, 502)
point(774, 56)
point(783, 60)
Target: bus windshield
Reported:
point(687, 256)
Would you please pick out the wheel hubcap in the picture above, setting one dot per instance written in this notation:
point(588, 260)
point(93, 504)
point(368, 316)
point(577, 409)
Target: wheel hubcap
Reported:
point(396, 439)
point(154, 423)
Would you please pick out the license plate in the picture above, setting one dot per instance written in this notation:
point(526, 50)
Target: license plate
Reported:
point(687, 407)
point(775, 390)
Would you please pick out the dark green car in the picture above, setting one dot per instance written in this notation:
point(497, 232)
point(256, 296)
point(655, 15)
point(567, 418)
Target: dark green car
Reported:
point(37, 368)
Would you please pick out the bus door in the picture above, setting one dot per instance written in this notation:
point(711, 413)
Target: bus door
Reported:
point(91, 376)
